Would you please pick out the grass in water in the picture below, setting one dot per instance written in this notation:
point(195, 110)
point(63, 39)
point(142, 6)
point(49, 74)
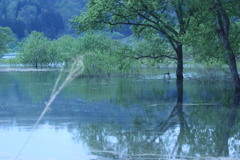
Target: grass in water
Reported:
point(63, 79)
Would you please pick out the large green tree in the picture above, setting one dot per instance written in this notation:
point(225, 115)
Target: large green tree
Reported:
point(166, 18)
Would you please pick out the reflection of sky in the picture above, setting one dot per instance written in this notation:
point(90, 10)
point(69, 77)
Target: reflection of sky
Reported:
point(234, 141)
point(139, 108)
point(47, 143)
point(56, 142)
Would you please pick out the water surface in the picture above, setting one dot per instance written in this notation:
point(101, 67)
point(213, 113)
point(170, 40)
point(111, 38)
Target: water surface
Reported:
point(118, 118)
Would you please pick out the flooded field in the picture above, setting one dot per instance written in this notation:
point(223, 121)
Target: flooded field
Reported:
point(118, 119)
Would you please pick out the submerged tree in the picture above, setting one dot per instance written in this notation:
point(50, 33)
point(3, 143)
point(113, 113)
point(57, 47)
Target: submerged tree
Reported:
point(67, 48)
point(166, 18)
point(34, 50)
point(103, 54)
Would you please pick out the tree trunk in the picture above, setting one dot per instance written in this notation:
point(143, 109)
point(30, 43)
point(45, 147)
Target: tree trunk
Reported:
point(223, 25)
point(232, 64)
point(179, 72)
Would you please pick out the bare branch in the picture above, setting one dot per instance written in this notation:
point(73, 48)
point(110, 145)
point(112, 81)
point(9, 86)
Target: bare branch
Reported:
point(153, 57)
point(151, 13)
point(157, 27)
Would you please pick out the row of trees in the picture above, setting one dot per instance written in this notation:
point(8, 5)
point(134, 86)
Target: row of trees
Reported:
point(103, 55)
point(206, 26)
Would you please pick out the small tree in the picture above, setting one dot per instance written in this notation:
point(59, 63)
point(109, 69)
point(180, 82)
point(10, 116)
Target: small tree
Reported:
point(66, 47)
point(53, 56)
point(34, 50)
point(102, 56)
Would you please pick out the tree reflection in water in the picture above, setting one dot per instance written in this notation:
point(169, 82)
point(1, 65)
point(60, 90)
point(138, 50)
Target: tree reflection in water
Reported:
point(224, 130)
point(187, 133)
point(127, 118)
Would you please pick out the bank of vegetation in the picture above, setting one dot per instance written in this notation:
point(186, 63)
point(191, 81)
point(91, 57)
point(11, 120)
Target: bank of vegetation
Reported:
point(103, 56)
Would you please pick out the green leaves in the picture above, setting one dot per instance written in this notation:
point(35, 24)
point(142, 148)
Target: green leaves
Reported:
point(6, 37)
point(202, 37)
point(102, 55)
point(34, 50)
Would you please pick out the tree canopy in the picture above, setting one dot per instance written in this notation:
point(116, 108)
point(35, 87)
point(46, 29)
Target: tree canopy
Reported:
point(35, 50)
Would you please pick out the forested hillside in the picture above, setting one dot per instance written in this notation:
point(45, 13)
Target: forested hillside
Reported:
point(48, 16)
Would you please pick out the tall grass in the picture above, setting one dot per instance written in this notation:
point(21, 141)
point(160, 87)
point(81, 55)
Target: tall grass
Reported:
point(63, 79)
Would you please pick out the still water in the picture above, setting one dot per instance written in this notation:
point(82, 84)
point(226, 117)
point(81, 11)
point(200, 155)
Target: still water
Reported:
point(119, 118)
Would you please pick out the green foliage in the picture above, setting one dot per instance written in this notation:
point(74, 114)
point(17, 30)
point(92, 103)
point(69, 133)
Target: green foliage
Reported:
point(180, 22)
point(203, 43)
point(35, 50)
point(6, 37)
point(167, 19)
point(67, 47)
point(152, 50)
point(53, 56)
point(102, 55)
point(117, 35)
point(96, 42)
point(100, 65)
point(203, 39)
point(24, 16)
point(69, 8)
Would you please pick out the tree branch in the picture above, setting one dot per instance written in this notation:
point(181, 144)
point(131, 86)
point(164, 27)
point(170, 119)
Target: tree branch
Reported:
point(188, 21)
point(159, 28)
point(153, 57)
point(151, 13)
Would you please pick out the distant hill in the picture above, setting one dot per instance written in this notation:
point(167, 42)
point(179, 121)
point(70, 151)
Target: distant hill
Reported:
point(48, 16)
